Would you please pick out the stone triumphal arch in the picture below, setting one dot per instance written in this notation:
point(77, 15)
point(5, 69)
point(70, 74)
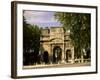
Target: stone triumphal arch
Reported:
point(57, 43)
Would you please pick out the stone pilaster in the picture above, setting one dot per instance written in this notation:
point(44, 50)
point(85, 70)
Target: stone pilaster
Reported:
point(72, 55)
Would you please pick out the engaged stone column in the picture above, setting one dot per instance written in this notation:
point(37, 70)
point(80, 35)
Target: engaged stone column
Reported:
point(72, 55)
point(51, 59)
point(63, 55)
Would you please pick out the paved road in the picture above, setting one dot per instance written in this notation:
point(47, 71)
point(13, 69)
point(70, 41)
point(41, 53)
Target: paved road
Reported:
point(57, 65)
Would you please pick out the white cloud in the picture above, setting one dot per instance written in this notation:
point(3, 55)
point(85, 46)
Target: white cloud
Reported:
point(39, 17)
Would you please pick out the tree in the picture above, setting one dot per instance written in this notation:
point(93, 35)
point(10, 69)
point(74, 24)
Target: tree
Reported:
point(79, 26)
point(31, 41)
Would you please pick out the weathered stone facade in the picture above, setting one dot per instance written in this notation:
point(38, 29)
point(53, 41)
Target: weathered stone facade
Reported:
point(57, 43)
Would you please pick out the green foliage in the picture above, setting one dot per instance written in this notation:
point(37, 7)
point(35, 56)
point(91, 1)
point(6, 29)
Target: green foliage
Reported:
point(79, 26)
point(31, 37)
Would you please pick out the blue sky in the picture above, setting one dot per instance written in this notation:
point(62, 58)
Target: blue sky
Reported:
point(41, 18)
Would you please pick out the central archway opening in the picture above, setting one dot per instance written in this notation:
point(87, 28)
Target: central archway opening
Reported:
point(57, 54)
